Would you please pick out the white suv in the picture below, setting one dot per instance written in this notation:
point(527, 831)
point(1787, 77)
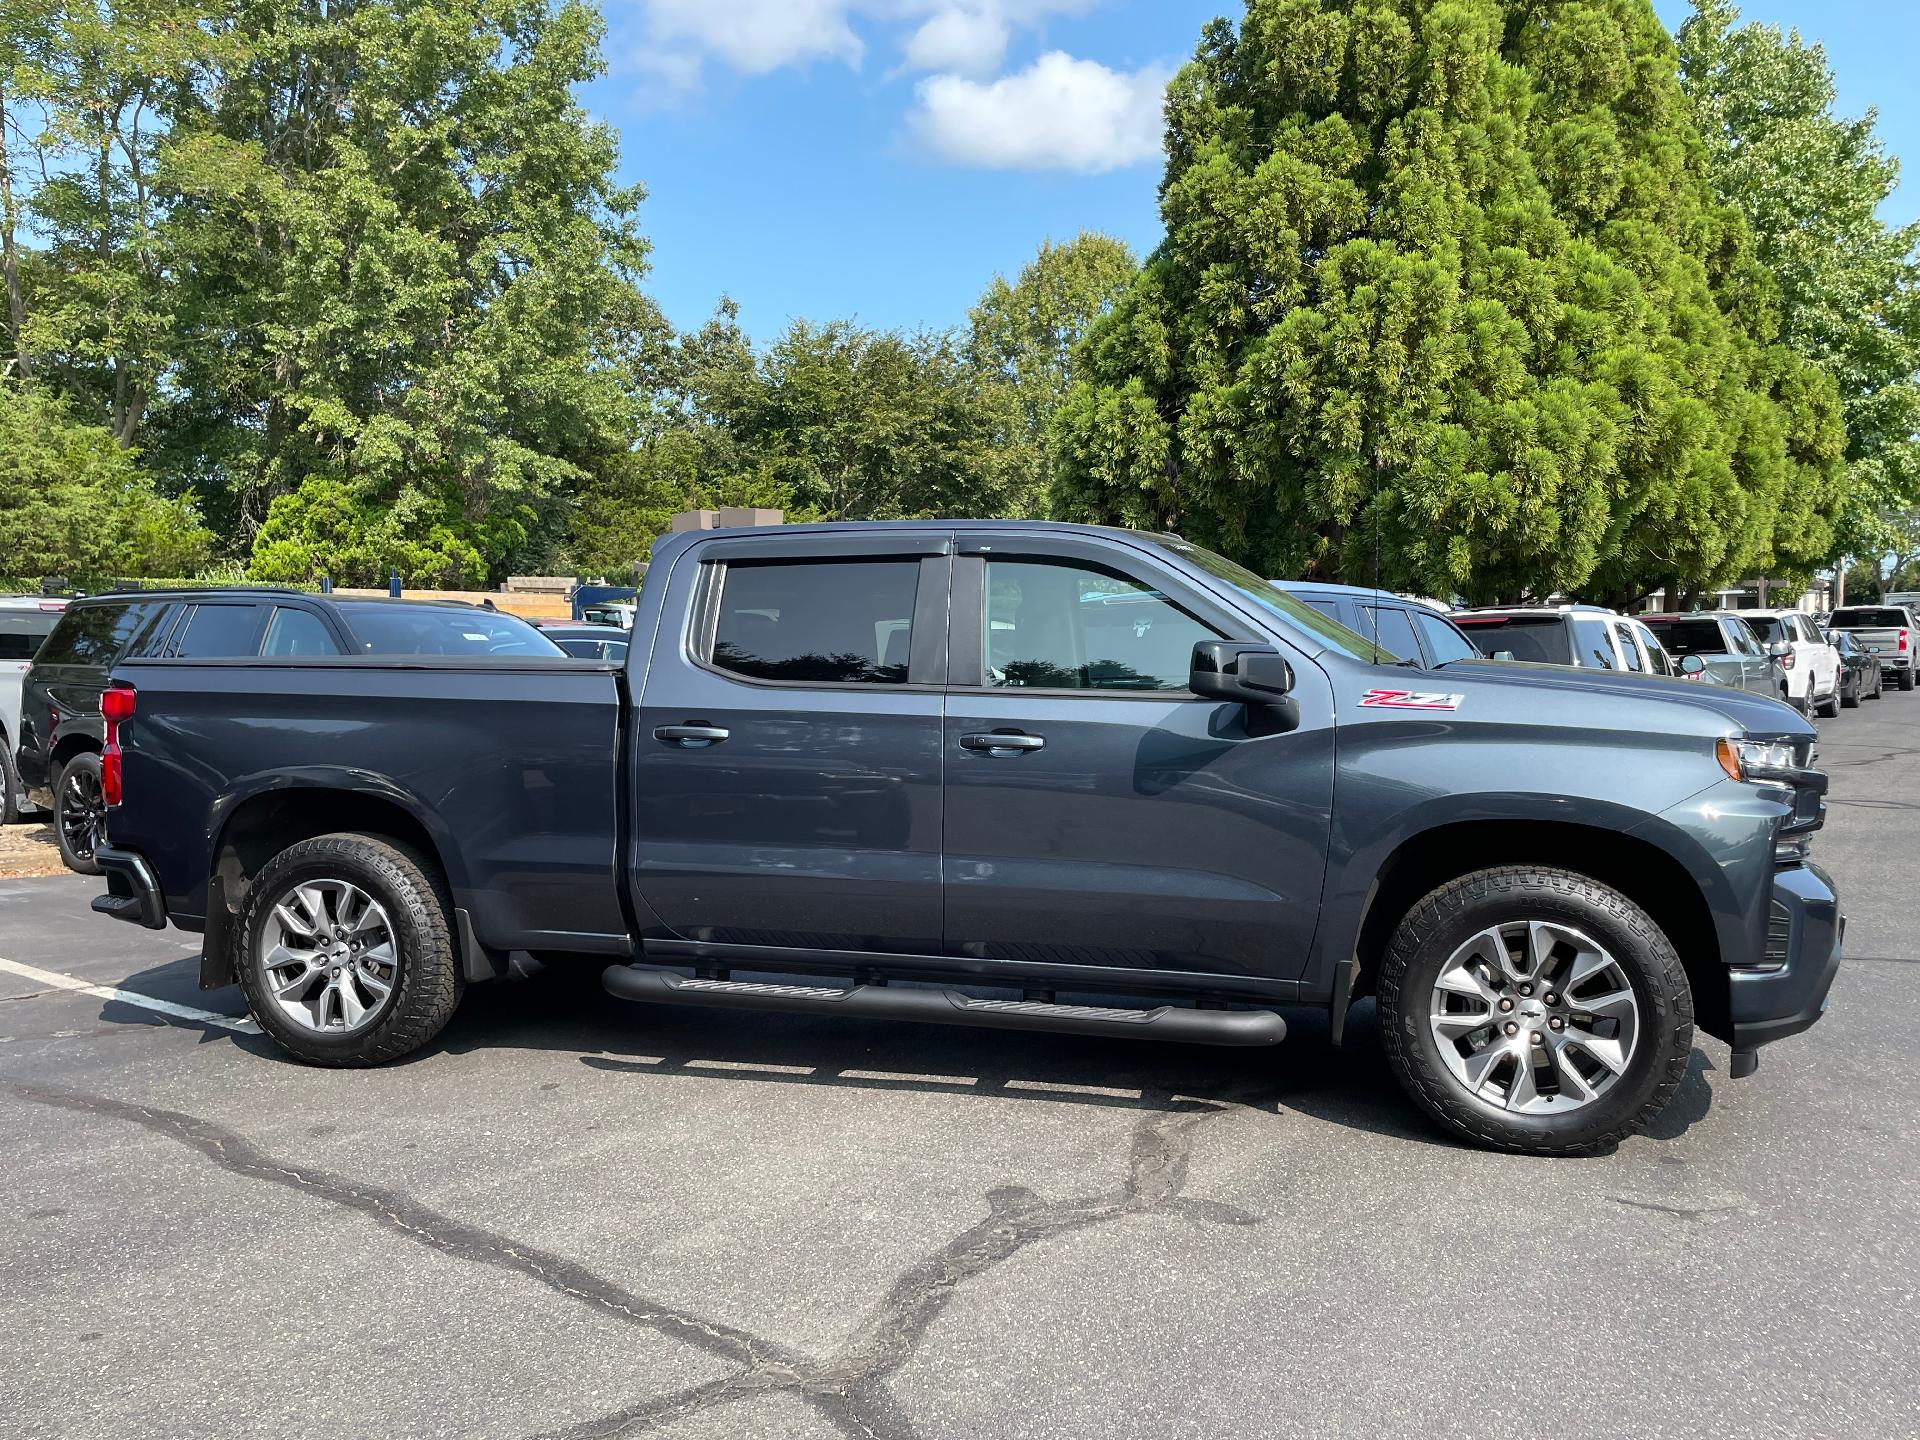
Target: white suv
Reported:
point(1812, 665)
point(25, 620)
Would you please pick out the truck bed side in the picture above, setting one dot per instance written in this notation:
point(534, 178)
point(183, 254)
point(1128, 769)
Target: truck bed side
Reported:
point(506, 769)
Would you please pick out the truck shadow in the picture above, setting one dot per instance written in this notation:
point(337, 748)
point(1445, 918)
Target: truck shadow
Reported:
point(567, 1013)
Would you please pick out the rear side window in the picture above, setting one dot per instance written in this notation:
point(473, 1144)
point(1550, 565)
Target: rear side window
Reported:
point(823, 622)
point(1056, 625)
point(1540, 639)
point(1765, 629)
point(1657, 660)
point(21, 632)
point(98, 634)
point(1590, 643)
point(297, 632)
point(217, 632)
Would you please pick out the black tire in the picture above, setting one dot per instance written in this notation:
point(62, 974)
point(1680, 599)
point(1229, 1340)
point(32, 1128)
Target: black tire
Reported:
point(1852, 701)
point(1447, 919)
point(1879, 685)
point(1829, 708)
point(79, 814)
point(9, 783)
point(1906, 679)
point(429, 979)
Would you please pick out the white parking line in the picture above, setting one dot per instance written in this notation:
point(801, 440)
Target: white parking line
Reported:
point(53, 980)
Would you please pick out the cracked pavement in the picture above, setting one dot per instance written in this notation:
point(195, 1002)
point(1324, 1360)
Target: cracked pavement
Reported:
point(573, 1218)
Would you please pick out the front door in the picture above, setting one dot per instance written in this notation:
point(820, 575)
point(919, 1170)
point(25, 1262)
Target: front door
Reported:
point(1097, 812)
point(786, 784)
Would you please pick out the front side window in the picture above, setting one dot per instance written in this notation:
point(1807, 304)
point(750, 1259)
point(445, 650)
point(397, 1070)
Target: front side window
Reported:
point(1629, 651)
point(1063, 626)
point(297, 632)
point(821, 622)
point(1657, 660)
point(395, 627)
point(1444, 642)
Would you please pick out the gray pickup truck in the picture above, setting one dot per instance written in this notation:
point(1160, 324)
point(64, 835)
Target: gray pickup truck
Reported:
point(971, 772)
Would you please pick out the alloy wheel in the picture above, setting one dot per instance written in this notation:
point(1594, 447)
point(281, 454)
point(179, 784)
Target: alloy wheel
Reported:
point(329, 956)
point(83, 812)
point(1535, 1017)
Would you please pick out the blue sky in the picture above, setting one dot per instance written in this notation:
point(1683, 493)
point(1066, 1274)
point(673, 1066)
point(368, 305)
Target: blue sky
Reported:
point(883, 159)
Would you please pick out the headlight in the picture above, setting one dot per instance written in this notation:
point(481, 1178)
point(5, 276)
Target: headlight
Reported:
point(1755, 759)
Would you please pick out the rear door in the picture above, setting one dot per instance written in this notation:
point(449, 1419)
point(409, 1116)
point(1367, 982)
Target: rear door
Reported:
point(787, 756)
point(1099, 813)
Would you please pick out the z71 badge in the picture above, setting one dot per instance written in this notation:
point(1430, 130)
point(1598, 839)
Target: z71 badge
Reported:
point(1410, 700)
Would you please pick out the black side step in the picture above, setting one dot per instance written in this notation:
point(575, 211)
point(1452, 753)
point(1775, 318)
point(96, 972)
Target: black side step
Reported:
point(951, 1007)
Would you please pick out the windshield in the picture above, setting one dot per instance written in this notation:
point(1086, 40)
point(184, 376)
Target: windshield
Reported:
point(400, 629)
point(1324, 628)
point(1767, 628)
point(1538, 639)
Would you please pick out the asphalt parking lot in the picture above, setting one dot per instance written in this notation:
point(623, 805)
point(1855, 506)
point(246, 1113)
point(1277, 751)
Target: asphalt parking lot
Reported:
point(576, 1218)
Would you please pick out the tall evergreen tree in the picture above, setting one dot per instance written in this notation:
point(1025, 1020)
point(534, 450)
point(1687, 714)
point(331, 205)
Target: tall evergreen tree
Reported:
point(1811, 184)
point(1444, 285)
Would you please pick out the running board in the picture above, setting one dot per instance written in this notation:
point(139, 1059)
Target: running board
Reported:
point(951, 1007)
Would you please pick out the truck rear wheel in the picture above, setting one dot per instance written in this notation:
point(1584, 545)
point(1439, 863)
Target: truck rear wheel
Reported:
point(1906, 679)
point(346, 950)
point(9, 783)
point(79, 813)
point(1535, 1010)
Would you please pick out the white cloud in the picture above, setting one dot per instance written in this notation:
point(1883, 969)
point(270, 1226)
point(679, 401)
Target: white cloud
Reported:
point(753, 36)
point(1058, 114)
point(963, 38)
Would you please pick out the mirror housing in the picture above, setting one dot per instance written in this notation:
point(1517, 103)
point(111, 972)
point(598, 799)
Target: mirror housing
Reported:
point(1691, 665)
point(1248, 674)
point(1779, 649)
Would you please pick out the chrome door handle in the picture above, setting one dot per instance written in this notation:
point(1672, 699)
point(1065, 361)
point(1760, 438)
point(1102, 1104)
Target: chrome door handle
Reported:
point(690, 735)
point(1003, 742)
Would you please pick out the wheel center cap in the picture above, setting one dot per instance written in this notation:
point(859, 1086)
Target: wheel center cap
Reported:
point(1532, 1012)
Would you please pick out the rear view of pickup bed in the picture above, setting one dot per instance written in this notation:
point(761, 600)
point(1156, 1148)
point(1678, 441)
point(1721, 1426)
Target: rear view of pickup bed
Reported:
point(1020, 764)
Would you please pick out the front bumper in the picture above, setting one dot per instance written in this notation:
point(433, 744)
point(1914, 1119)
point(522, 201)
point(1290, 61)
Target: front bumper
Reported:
point(132, 892)
point(1768, 1004)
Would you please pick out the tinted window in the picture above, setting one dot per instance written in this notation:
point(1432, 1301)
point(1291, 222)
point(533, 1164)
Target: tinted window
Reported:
point(1394, 631)
point(1538, 638)
point(833, 622)
point(1061, 626)
point(1326, 607)
point(1869, 617)
point(1765, 629)
point(397, 628)
point(1628, 650)
point(1591, 645)
point(1443, 641)
point(1657, 660)
point(297, 632)
point(96, 634)
point(21, 633)
point(1690, 635)
point(591, 649)
point(218, 632)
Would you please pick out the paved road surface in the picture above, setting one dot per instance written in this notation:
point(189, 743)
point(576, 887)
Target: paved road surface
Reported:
point(573, 1218)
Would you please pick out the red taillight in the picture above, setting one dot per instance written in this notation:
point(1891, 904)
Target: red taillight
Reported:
point(1903, 639)
point(1786, 661)
point(116, 708)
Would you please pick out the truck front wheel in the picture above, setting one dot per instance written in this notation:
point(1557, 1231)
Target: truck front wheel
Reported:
point(346, 950)
point(1535, 1010)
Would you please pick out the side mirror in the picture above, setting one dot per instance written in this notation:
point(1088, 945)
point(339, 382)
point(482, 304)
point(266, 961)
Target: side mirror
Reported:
point(1691, 665)
point(1249, 674)
point(1779, 649)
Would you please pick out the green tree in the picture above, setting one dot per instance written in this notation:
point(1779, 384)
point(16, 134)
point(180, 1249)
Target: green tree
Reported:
point(859, 424)
point(1811, 185)
point(1444, 284)
point(403, 268)
point(74, 502)
point(1026, 332)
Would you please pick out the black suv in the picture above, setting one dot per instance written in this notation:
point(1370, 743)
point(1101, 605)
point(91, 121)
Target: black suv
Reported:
point(62, 732)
